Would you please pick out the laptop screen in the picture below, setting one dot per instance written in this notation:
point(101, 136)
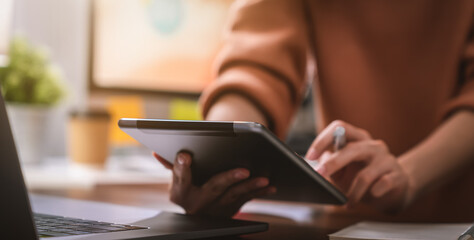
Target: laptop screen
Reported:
point(16, 218)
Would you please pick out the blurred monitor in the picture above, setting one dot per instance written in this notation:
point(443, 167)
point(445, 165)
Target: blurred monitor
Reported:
point(156, 45)
point(6, 8)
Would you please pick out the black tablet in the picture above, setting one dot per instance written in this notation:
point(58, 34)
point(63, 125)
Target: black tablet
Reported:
point(221, 146)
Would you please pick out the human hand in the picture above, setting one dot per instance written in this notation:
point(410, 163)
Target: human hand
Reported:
point(222, 195)
point(364, 169)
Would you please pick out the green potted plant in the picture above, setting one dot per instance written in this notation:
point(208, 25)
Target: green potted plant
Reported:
point(31, 87)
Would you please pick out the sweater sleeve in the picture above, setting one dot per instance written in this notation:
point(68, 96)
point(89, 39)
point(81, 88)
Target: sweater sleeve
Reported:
point(264, 58)
point(464, 98)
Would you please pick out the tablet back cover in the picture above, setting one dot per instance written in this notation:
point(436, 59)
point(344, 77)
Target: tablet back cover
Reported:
point(220, 146)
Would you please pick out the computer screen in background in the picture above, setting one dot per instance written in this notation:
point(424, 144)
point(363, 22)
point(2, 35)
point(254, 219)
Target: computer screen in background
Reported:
point(5, 28)
point(156, 45)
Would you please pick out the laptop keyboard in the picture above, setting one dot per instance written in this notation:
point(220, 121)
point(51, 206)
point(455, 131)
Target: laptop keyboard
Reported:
point(55, 226)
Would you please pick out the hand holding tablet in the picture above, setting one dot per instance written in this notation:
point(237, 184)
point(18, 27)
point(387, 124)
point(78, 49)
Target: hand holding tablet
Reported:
point(218, 148)
point(222, 195)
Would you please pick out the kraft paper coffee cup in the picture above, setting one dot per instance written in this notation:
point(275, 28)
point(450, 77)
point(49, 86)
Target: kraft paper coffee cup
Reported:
point(89, 137)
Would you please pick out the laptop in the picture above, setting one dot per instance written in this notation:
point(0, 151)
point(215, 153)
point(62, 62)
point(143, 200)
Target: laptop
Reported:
point(38, 217)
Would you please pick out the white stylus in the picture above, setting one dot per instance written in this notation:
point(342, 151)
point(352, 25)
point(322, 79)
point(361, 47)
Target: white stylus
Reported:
point(339, 138)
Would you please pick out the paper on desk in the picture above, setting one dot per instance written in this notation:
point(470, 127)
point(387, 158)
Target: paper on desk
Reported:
point(400, 231)
point(58, 173)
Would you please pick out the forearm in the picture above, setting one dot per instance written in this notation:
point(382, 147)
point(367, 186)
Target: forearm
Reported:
point(443, 155)
point(233, 107)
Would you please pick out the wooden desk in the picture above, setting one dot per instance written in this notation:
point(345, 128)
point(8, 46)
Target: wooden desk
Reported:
point(156, 197)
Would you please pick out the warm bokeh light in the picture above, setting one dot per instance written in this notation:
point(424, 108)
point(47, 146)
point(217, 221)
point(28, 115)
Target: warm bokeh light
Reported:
point(157, 45)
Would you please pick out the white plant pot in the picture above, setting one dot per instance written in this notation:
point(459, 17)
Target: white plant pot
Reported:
point(29, 125)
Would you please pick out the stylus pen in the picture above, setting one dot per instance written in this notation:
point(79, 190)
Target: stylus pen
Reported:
point(339, 138)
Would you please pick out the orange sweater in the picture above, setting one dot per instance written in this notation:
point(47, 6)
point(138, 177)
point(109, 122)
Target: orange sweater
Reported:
point(394, 68)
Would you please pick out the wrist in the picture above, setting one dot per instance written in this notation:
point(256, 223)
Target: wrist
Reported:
point(413, 189)
point(234, 107)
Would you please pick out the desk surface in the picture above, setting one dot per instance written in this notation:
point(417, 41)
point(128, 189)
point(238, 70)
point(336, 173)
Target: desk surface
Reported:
point(155, 196)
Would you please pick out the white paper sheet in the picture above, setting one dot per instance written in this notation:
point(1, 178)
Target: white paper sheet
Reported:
point(399, 231)
point(58, 173)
